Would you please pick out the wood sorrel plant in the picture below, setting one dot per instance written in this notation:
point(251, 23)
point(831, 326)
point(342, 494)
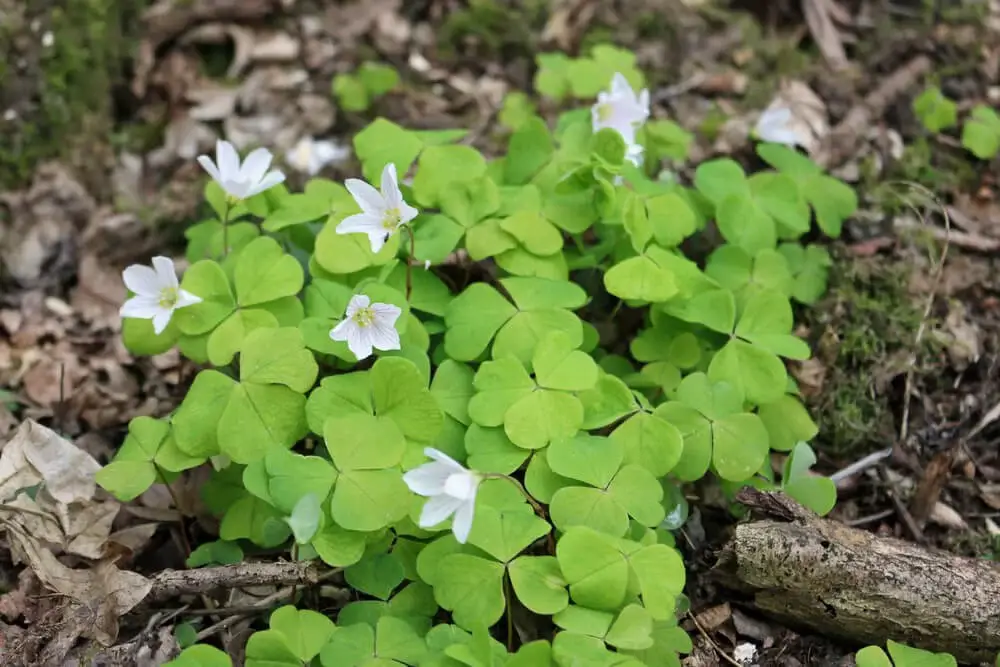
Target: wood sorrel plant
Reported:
point(560, 447)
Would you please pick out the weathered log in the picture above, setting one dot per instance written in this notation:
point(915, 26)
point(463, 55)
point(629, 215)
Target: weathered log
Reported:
point(851, 585)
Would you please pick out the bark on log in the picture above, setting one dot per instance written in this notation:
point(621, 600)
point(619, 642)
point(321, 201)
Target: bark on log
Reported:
point(852, 585)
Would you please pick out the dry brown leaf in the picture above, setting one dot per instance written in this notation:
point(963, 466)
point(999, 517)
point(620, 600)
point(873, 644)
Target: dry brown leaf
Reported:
point(103, 590)
point(713, 617)
point(943, 515)
point(808, 117)
point(38, 454)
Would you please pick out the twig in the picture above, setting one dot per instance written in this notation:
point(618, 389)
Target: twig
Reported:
point(842, 140)
point(170, 583)
point(259, 606)
point(904, 514)
point(935, 281)
point(718, 649)
point(871, 518)
point(860, 465)
point(966, 240)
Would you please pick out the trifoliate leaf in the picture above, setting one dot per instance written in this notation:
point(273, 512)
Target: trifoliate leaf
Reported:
point(227, 339)
point(640, 279)
point(499, 385)
point(660, 573)
point(338, 547)
point(505, 524)
point(607, 401)
point(787, 422)
point(490, 450)
point(278, 356)
point(761, 375)
point(935, 111)
point(377, 575)
point(196, 423)
point(291, 476)
point(259, 417)
point(472, 589)
point(585, 506)
point(542, 416)
point(473, 318)
point(815, 492)
point(639, 493)
point(253, 519)
point(305, 631)
point(981, 134)
point(767, 323)
point(440, 167)
point(650, 441)
point(586, 458)
point(269, 648)
point(349, 253)
point(539, 584)
point(594, 568)
point(218, 552)
point(452, 388)
point(558, 365)
point(382, 142)
point(367, 500)
point(264, 272)
point(632, 630)
point(400, 394)
point(207, 280)
point(535, 233)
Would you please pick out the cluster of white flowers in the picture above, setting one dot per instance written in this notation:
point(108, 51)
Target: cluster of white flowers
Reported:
point(623, 111)
point(366, 325)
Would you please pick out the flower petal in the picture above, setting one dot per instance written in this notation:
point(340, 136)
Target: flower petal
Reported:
point(461, 485)
point(360, 223)
point(390, 187)
point(367, 197)
point(386, 313)
point(185, 299)
point(255, 165)
point(383, 336)
point(208, 165)
point(428, 479)
point(141, 307)
point(269, 181)
point(462, 525)
point(340, 332)
point(407, 213)
point(377, 240)
point(620, 85)
point(359, 343)
point(228, 161)
point(161, 320)
point(441, 457)
point(165, 271)
point(437, 509)
point(142, 280)
point(357, 302)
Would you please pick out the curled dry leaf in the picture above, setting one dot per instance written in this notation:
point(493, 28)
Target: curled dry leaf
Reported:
point(38, 455)
point(808, 119)
point(104, 591)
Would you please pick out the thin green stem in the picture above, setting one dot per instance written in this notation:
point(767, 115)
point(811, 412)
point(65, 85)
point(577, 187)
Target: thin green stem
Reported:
point(539, 510)
point(225, 228)
point(509, 594)
point(409, 263)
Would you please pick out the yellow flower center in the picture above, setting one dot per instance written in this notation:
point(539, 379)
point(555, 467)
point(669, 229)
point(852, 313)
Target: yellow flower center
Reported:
point(168, 297)
point(604, 111)
point(363, 317)
point(391, 219)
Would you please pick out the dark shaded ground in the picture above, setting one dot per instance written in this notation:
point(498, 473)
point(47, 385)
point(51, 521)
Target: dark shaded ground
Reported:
point(121, 105)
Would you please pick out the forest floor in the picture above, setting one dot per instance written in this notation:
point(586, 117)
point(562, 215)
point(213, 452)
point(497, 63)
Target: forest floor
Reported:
point(104, 104)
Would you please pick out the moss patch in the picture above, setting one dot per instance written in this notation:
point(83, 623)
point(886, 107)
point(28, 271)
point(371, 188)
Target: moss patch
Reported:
point(493, 29)
point(63, 59)
point(866, 329)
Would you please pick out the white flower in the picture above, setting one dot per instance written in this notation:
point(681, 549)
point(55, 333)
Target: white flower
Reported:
point(382, 213)
point(368, 325)
point(310, 156)
point(745, 653)
point(241, 180)
point(621, 109)
point(776, 125)
point(157, 293)
point(451, 489)
point(634, 154)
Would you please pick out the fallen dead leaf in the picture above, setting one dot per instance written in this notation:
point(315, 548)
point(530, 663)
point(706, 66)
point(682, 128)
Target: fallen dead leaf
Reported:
point(103, 590)
point(944, 515)
point(808, 113)
point(38, 454)
point(712, 618)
